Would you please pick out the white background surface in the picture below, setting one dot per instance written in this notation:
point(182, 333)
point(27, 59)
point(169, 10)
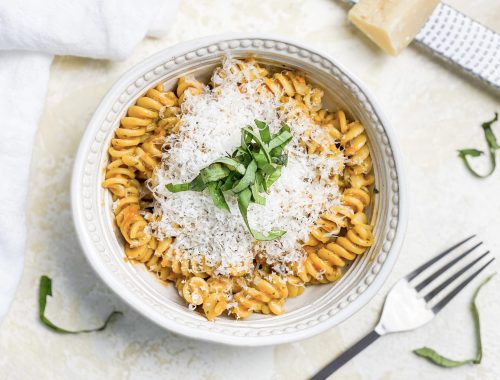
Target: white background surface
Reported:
point(434, 111)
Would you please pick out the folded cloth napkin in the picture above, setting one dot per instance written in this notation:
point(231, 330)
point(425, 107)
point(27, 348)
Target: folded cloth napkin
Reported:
point(31, 33)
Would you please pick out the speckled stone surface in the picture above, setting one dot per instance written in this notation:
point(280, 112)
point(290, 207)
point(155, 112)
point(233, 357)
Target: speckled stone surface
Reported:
point(434, 111)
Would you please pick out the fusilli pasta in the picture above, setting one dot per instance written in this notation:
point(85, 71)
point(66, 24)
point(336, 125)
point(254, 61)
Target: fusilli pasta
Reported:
point(340, 233)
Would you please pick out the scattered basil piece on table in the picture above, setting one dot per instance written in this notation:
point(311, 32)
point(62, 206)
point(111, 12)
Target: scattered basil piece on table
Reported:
point(442, 361)
point(493, 146)
point(45, 290)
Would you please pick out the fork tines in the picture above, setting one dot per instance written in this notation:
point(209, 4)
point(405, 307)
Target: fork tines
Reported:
point(469, 259)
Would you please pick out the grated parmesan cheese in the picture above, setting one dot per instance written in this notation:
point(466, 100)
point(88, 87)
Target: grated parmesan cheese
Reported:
point(210, 128)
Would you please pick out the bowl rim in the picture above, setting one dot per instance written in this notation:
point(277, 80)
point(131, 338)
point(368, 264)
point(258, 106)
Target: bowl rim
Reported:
point(206, 335)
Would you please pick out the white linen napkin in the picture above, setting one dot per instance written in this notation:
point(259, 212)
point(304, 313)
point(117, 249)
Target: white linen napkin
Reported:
point(31, 33)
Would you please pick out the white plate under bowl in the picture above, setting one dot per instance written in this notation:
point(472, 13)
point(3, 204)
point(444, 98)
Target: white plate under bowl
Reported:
point(320, 307)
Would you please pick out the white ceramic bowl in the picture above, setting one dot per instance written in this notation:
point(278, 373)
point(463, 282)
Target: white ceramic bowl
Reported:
point(320, 307)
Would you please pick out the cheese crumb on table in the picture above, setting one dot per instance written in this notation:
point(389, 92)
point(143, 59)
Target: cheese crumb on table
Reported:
point(391, 24)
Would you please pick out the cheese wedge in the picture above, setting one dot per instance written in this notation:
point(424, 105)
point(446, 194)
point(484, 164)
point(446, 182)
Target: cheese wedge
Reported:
point(391, 24)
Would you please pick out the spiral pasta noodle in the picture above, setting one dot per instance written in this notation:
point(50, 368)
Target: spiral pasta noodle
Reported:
point(290, 85)
point(264, 296)
point(245, 71)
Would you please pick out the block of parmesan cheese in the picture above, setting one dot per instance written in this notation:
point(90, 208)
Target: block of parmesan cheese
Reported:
point(391, 24)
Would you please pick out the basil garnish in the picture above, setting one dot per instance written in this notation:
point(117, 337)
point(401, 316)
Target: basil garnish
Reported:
point(492, 147)
point(46, 290)
point(440, 360)
point(244, 199)
point(249, 171)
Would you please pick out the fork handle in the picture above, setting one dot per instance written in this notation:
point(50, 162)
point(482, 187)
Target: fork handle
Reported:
point(346, 356)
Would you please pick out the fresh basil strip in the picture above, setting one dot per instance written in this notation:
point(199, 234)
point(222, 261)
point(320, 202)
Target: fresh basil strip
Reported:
point(465, 153)
point(491, 140)
point(281, 159)
point(265, 133)
point(283, 138)
point(490, 137)
point(231, 164)
point(214, 172)
point(196, 184)
point(259, 180)
point(229, 182)
point(217, 196)
point(255, 188)
point(242, 150)
point(44, 291)
point(442, 361)
point(268, 169)
point(177, 188)
point(273, 177)
point(470, 152)
point(259, 141)
point(260, 159)
point(284, 128)
point(246, 137)
point(263, 182)
point(275, 152)
point(244, 199)
point(247, 179)
point(434, 357)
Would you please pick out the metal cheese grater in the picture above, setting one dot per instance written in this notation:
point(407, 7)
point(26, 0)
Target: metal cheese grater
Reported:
point(462, 42)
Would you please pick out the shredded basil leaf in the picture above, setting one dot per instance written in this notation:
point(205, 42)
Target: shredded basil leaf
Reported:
point(283, 138)
point(196, 184)
point(470, 152)
point(251, 169)
point(442, 361)
point(275, 152)
point(264, 132)
point(248, 178)
point(273, 177)
point(242, 150)
point(231, 164)
point(45, 290)
point(256, 137)
point(490, 137)
point(214, 172)
point(177, 188)
point(229, 182)
point(260, 158)
point(268, 169)
point(493, 146)
point(263, 182)
point(283, 129)
point(244, 198)
point(434, 357)
point(217, 196)
point(281, 159)
point(256, 188)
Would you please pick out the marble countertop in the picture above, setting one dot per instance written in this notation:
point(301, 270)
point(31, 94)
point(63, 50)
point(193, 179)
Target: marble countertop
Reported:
point(434, 111)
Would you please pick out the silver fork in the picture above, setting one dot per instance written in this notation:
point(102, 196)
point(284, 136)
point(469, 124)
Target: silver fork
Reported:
point(412, 302)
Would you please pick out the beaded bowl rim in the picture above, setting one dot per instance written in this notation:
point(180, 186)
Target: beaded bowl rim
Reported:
point(94, 235)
